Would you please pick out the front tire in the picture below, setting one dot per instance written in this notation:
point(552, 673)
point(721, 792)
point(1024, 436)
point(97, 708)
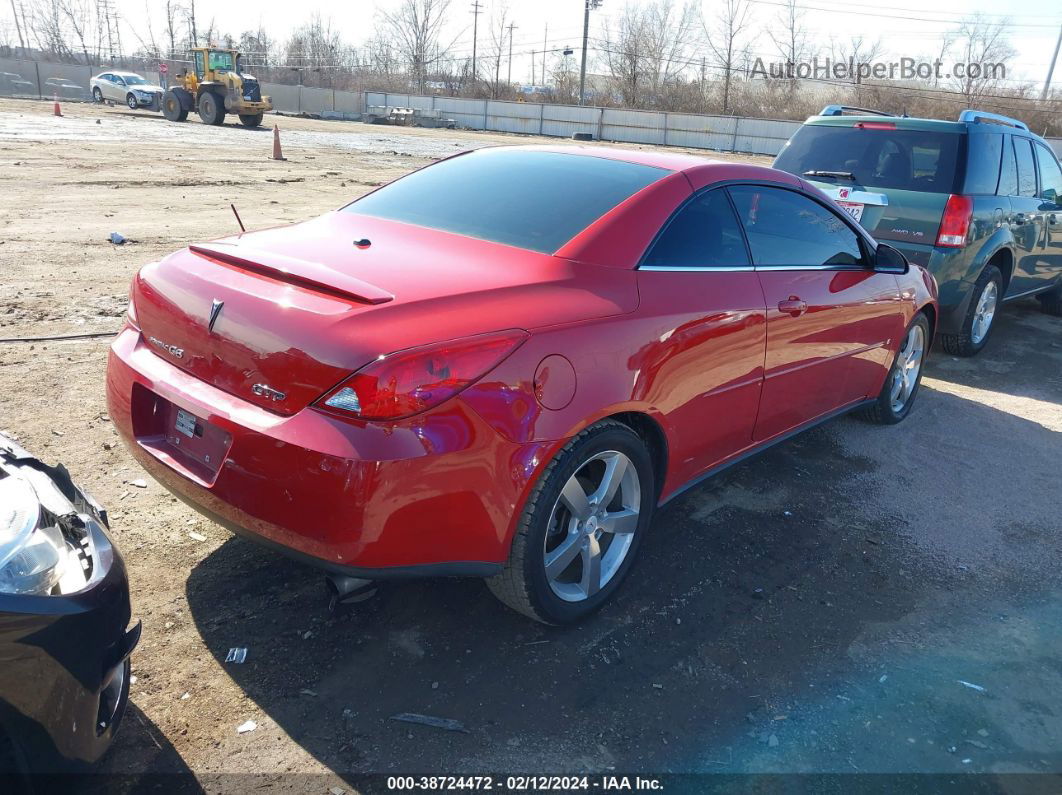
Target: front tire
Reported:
point(130, 101)
point(897, 395)
point(97, 95)
point(211, 109)
point(251, 120)
point(172, 108)
point(980, 317)
point(581, 527)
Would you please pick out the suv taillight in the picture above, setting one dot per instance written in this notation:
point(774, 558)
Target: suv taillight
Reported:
point(955, 224)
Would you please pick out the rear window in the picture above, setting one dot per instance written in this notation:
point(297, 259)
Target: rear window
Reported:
point(878, 158)
point(532, 200)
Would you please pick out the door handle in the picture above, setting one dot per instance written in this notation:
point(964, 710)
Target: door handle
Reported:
point(793, 306)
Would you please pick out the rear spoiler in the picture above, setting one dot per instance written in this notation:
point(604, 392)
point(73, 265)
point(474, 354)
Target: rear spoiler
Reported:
point(305, 273)
point(857, 196)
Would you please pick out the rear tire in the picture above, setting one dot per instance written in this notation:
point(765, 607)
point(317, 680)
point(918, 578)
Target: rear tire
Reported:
point(898, 393)
point(172, 108)
point(549, 526)
point(980, 316)
point(1051, 301)
point(211, 108)
point(251, 120)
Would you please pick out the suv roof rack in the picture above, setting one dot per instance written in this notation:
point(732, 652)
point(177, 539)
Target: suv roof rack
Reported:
point(976, 116)
point(840, 110)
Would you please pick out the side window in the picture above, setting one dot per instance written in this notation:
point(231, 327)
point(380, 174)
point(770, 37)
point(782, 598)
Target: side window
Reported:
point(1050, 175)
point(984, 152)
point(199, 64)
point(787, 228)
point(1026, 167)
point(1008, 175)
point(704, 234)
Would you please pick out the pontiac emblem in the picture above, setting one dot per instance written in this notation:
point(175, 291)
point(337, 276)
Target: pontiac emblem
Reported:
point(215, 311)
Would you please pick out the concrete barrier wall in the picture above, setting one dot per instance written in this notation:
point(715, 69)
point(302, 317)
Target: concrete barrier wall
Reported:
point(723, 133)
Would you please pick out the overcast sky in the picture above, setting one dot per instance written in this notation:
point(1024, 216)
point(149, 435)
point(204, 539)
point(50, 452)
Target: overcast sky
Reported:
point(902, 26)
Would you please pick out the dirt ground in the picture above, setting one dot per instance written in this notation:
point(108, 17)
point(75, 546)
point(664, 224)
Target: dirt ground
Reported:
point(823, 608)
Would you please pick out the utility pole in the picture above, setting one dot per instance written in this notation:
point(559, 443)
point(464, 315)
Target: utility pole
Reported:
point(545, 36)
point(1051, 68)
point(18, 28)
point(533, 54)
point(587, 5)
point(476, 11)
point(509, 79)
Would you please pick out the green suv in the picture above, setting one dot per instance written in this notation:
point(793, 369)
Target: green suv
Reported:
point(977, 201)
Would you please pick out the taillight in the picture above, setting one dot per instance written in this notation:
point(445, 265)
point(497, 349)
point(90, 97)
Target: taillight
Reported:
point(402, 384)
point(875, 125)
point(130, 314)
point(955, 224)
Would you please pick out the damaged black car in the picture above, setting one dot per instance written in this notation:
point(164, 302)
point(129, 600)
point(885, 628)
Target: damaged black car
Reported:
point(65, 635)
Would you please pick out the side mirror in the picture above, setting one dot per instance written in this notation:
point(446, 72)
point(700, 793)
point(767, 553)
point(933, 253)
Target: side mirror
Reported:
point(890, 260)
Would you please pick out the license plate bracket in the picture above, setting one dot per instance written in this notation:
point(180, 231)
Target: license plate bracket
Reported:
point(185, 423)
point(854, 209)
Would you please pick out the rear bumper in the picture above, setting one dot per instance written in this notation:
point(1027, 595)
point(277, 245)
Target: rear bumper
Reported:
point(432, 495)
point(64, 676)
point(949, 266)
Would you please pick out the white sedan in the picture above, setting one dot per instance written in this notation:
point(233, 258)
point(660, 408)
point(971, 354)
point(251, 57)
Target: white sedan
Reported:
point(128, 88)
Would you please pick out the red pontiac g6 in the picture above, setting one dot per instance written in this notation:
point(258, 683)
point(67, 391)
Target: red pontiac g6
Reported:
point(499, 365)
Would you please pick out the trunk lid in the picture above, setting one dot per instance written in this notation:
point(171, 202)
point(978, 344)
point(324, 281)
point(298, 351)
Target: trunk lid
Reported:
point(298, 309)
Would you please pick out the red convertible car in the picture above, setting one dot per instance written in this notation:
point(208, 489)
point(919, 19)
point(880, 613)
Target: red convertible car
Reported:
point(499, 365)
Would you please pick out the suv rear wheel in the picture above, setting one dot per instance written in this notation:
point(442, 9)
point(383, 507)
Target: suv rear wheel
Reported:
point(980, 316)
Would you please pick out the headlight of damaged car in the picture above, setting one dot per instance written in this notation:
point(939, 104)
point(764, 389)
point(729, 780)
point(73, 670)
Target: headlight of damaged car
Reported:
point(32, 558)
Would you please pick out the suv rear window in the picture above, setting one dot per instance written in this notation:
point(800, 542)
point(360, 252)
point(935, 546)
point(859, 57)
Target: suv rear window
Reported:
point(878, 158)
point(532, 200)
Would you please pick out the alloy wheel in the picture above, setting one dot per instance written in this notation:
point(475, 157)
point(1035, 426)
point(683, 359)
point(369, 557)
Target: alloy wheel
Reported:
point(908, 366)
point(592, 526)
point(984, 313)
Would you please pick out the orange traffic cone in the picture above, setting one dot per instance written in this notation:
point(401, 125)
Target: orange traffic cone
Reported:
point(277, 154)
point(55, 108)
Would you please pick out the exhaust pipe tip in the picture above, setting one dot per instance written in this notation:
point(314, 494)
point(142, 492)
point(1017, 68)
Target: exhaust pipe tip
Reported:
point(344, 590)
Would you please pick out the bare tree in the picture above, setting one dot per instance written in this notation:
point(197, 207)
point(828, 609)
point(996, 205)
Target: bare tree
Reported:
point(647, 48)
point(670, 30)
point(497, 44)
point(791, 40)
point(173, 10)
point(47, 24)
point(415, 26)
point(626, 48)
point(982, 43)
point(726, 39)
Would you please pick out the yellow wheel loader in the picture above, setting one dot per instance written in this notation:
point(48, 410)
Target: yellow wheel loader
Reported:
point(215, 85)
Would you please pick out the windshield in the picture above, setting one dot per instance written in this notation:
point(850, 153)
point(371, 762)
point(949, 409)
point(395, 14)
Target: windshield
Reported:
point(221, 61)
point(882, 158)
point(134, 80)
point(532, 200)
